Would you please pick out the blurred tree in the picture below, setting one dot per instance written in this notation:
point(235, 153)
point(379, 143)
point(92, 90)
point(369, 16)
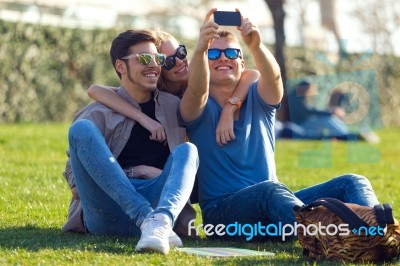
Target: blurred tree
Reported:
point(379, 19)
point(278, 16)
point(302, 9)
point(329, 21)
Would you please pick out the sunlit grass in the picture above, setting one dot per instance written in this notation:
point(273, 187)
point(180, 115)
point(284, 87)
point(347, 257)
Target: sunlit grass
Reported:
point(34, 199)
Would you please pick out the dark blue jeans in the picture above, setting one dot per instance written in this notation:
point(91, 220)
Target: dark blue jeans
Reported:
point(272, 202)
point(114, 204)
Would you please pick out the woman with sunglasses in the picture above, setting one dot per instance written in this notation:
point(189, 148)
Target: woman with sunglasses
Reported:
point(174, 77)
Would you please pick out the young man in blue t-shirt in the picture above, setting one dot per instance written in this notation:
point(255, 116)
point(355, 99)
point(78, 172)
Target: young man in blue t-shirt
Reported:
point(238, 181)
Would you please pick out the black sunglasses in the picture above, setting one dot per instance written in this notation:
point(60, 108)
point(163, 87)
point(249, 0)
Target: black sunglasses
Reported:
point(230, 53)
point(170, 61)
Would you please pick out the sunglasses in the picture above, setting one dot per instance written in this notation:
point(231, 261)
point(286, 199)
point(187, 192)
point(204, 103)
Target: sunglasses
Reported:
point(230, 53)
point(145, 58)
point(170, 61)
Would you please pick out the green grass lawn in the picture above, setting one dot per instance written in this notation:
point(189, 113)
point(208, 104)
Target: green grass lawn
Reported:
point(34, 198)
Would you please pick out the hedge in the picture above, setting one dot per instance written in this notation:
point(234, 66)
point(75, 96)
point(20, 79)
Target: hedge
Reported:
point(46, 70)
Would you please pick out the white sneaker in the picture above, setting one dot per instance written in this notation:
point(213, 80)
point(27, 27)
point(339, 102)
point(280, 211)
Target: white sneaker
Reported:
point(174, 240)
point(156, 232)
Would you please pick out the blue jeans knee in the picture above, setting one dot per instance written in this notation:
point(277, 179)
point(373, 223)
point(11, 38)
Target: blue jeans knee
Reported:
point(81, 128)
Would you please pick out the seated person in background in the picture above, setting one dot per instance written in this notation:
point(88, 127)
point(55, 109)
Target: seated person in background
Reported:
point(343, 100)
point(312, 123)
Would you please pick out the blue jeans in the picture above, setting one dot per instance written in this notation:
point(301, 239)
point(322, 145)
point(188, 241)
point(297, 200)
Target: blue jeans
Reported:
point(114, 204)
point(326, 127)
point(272, 202)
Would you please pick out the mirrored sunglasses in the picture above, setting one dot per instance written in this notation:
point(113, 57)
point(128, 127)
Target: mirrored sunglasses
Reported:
point(170, 61)
point(145, 58)
point(230, 53)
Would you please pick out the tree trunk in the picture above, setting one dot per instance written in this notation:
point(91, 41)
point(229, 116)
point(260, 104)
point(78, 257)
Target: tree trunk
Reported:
point(329, 21)
point(278, 16)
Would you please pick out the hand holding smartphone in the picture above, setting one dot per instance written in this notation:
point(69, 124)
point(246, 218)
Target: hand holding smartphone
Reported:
point(227, 18)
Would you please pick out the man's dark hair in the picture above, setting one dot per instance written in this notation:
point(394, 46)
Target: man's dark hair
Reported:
point(121, 44)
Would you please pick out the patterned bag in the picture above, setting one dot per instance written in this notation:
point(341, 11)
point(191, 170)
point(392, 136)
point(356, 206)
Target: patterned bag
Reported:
point(330, 229)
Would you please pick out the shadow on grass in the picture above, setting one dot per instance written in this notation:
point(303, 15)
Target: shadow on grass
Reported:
point(33, 239)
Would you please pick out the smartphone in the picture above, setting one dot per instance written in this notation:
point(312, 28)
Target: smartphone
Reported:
point(227, 18)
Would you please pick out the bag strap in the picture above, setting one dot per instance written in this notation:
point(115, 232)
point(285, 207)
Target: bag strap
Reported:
point(340, 209)
point(388, 213)
point(380, 214)
point(384, 214)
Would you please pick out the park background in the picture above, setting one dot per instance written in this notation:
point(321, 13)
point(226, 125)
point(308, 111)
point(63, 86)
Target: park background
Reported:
point(51, 51)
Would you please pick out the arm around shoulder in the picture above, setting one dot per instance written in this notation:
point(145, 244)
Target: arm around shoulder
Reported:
point(108, 97)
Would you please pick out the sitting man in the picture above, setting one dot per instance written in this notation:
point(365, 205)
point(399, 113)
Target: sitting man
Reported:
point(316, 123)
point(128, 183)
point(238, 181)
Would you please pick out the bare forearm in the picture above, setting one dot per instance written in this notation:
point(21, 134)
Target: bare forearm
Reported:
point(270, 82)
point(267, 64)
point(199, 76)
point(195, 97)
point(107, 96)
point(225, 132)
point(110, 98)
point(249, 76)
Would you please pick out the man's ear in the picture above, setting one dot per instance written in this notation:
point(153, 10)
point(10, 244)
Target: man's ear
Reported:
point(120, 66)
point(242, 63)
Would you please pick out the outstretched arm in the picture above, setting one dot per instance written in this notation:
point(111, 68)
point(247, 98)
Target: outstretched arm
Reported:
point(224, 132)
point(107, 96)
point(270, 86)
point(195, 97)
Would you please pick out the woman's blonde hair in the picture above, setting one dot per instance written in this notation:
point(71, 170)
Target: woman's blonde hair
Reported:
point(162, 36)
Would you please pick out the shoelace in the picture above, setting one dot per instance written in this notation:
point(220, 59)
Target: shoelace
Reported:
point(159, 227)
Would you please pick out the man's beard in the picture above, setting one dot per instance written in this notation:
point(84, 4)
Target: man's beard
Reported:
point(152, 88)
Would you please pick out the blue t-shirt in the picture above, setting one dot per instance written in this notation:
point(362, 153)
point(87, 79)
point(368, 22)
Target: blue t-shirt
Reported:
point(246, 161)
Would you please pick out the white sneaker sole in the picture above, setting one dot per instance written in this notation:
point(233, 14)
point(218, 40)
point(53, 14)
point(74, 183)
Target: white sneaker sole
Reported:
point(152, 246)
point(175, 241)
